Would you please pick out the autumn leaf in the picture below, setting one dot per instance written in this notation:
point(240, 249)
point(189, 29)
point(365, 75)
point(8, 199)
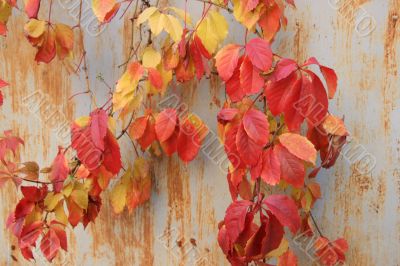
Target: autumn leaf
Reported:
point(235, 218)
point(266, 239)
point(292, 168)
point(8, 142)
point(59, 170)
point(64, 41)
point(260, 54)
point(271, 168)
point(105, 10)
point(287, 259)
point(299, 146)
point(191, 134)
point(250, 79)
point(126, 95)
point(297, 93)
point(140, 191)
point(32, 8)
point(285, 210)
point(212, 30)
point(227, 60)
point(166, 123)
point(329, 75)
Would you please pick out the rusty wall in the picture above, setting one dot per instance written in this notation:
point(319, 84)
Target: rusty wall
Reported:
point(359, 38)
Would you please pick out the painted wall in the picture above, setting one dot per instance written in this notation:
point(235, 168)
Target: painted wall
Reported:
point(359, 38)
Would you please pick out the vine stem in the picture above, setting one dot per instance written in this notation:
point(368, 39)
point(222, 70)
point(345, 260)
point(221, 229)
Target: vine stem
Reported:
point(316, 225)
point(217, 5)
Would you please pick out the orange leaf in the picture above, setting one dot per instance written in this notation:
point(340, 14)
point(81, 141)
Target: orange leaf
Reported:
point(299, 146)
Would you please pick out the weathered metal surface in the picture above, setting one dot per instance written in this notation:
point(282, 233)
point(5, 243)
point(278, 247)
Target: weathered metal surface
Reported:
point(179, 224)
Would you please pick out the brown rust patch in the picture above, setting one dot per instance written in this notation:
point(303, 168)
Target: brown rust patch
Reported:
point(389, 89)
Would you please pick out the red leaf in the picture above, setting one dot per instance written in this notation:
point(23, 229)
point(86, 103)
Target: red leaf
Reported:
point(314, 102)
point(299, 95)
point(282, 96)
point(27, 253)
point(287, 259)
point(250, 78)
point(34, 194)
point(226, 61)
point(227, 115)
point(284, 68)
point(197, 60)
point(112, 155)
point(148, 136)
point(61, 234)
point(233, 86)
point(271, 168)
point(3, 83)
point(23, 208)
point(292, 168)
point(188, 141)
point(235, 218)
point(138, 127)
point(9, 142)
point(30, 233)
point(267, 238)
point(47, 51)
point(270, 21)
point(299, 146)
point(166, 122)
point(248, 149)
point(155, 78)
point(59, 170)
point(251, 4)
point(257, 127)
point(98, 127)
point(285, 210)
point(329, 75)
point(231, 147)
point(50, 245)
point(170, 145)
point(87, 152)
point(260, 54)
point(200, 47)
point(32, 8)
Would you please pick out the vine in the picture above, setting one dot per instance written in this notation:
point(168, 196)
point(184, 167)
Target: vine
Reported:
point(274, 124)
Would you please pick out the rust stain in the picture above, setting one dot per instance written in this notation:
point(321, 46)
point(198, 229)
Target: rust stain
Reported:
point(390, 63)
point(25, 76)
point(179, 203)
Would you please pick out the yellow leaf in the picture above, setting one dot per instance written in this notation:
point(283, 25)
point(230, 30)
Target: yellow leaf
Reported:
point(35, 28)
point(156, 23)
point(104, 9)
point(52, 200)
point(80, 197)
point(181, 13)
point(5, 11)
point(119, 192)
point(112, 124)
point(212, 31)
point(65, 41)
point(82, 121)
point(126, 89)
point(151, 58)
point(60, 213)
point(67, 190)
point(173, 27)
point(35, 215)
point(146, 14)
point(248, 19)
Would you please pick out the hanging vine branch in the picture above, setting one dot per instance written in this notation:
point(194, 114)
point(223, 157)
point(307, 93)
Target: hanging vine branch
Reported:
point(270, 102)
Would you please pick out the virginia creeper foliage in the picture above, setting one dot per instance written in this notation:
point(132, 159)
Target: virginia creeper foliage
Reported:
point(274, 125)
